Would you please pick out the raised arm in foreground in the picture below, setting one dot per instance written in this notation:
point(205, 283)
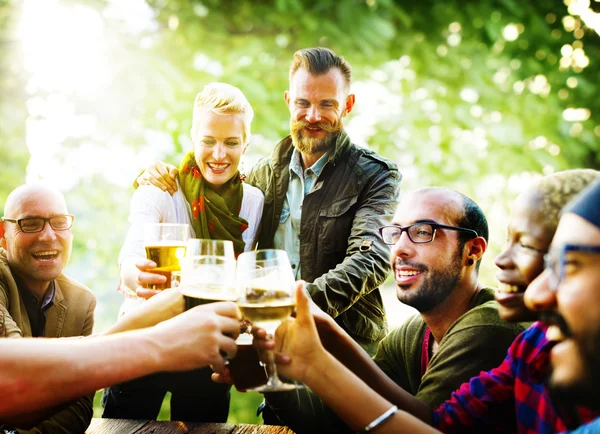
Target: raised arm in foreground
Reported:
point(351, 398)
point(76, 367)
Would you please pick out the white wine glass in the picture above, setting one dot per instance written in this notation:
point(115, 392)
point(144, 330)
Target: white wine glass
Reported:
point(208, 272)
point(266, 298)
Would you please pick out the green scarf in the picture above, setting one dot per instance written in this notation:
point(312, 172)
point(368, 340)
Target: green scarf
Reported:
point(215, 216)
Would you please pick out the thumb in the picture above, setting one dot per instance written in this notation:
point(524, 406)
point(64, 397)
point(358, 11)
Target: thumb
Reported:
point(302, 304)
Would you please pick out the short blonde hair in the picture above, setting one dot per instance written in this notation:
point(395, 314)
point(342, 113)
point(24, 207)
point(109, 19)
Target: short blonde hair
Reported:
point(225, 99)
point(557, 189)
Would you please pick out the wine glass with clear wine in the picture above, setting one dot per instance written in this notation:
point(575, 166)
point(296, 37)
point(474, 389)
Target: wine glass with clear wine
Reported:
point(266, 298)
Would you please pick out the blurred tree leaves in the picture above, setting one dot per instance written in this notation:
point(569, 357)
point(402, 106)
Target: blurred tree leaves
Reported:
point(13, 111)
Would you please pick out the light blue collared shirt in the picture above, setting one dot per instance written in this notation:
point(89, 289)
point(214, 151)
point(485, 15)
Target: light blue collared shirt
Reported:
point(302, 182)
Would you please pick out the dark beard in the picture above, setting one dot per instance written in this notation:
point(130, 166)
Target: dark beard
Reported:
point(310, 146)
point(435, 289)
point(586, 390)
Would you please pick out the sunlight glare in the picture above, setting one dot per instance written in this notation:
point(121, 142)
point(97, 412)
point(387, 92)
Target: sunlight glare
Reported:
point(63, 47)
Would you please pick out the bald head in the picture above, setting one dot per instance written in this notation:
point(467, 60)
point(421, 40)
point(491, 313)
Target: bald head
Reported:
point(36, 258)
point(446, 204)
point(21, 196)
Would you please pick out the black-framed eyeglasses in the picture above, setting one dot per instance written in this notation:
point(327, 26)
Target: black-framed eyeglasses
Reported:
point(557, 258)
point(31, 225)
point(418, 233)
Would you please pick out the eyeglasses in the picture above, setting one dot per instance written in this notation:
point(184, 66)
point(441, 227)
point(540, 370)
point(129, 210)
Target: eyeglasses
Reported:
point(31, 225)
point(555, 261)
point(418, 233)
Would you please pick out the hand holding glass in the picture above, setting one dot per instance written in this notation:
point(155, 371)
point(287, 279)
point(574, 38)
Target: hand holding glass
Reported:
point(266, 298)
point(165, 245)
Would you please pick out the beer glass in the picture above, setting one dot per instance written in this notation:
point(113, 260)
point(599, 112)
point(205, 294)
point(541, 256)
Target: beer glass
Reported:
point(165, 245)
point(265, 298)
point(208, 272)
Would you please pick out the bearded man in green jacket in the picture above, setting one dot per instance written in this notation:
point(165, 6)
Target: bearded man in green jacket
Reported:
point(325, 197)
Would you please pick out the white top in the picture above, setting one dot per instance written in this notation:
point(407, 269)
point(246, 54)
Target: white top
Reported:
point(150, 204)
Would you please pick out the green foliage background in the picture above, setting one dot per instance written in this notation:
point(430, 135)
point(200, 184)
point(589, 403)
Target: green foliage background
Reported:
point(469, 95)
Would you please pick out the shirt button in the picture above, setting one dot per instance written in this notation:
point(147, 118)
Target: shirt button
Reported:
point(293, 266)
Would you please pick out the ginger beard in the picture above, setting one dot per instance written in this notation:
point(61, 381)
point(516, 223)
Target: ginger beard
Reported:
point(313, 145)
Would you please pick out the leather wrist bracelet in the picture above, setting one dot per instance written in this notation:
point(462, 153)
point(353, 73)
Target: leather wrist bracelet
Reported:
point(381, 419)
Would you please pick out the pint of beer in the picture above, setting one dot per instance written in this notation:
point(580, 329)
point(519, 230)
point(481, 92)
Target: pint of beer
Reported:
point(165, 245)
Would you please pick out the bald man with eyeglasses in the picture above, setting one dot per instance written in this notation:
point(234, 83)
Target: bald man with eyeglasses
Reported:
point(36, 298)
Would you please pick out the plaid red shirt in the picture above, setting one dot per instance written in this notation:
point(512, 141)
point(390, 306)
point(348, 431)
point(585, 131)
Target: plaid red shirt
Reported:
point(511, 397)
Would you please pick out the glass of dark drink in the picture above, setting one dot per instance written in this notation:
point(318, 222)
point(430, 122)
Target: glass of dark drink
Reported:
point(245, 368)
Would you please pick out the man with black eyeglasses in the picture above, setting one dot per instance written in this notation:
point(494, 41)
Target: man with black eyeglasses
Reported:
point(437, 238)
point(36, 298)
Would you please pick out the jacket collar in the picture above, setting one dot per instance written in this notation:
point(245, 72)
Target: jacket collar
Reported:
point(55, 316)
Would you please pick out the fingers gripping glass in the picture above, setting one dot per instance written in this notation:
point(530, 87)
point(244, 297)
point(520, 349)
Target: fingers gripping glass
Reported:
point(555, 261)
point(266, 298)
point(418, 233)
point(36, 224)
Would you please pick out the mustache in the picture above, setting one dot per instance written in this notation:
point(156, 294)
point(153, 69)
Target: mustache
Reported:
point(554, 318)
point(325, 126)
point(400, 263)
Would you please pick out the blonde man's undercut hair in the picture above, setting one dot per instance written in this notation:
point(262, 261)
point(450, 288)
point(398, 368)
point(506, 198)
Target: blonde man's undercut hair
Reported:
point(223, 99)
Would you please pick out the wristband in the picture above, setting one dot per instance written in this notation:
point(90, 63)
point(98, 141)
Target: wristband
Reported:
point(378, 421)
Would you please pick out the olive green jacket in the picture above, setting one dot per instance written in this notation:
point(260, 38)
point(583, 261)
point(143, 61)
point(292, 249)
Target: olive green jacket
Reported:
point(341, 253)
point(72, 314)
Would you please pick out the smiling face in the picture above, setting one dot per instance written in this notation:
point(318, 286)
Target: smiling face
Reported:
point(40, 257)
point(426, 274)
point(522, 260)
point(576, 307)
point(218, 145)
point(317, 104)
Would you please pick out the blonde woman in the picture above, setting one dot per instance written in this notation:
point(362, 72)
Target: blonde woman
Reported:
point(213, 199)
